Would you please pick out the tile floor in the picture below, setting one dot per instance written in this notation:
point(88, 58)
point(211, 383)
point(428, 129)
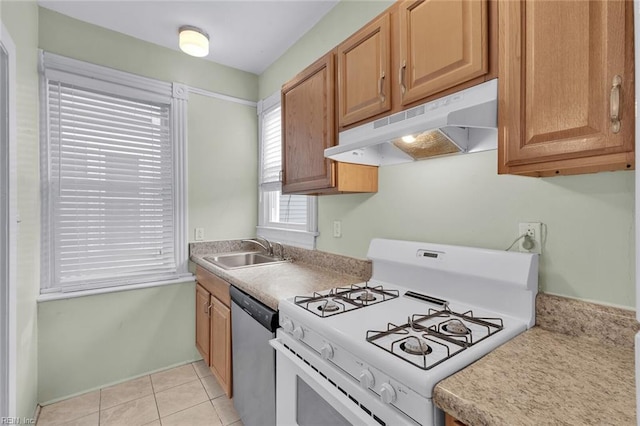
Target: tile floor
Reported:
point(183, 396)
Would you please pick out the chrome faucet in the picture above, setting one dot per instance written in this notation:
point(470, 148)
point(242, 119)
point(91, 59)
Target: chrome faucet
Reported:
point(276, 244)
point(267, 246)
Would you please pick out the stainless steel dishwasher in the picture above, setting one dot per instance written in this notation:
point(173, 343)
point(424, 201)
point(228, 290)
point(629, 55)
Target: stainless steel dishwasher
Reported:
point(254, 361)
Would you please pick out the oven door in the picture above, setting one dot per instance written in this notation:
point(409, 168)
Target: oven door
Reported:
point(311, 391)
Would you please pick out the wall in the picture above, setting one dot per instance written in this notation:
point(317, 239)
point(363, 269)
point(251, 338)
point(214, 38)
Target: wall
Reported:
point(589, 247)
point(88, 342)
point(21, 20)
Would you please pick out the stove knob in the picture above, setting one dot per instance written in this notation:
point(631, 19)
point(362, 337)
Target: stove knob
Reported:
point(387, 393)
point(287, 325)
point(366, 379)
point(326, 351)
point(298, 333)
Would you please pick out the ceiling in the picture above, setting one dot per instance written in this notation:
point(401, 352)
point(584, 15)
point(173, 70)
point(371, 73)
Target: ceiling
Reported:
point(245, 34)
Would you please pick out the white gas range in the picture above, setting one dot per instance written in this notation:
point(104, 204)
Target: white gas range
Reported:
point(372, 353)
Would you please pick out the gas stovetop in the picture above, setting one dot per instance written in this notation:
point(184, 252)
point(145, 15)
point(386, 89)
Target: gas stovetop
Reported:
point(428, 311)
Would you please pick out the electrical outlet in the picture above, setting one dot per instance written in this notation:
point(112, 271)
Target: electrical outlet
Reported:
point(199, 234)
point(337, 229)
point(533, 230)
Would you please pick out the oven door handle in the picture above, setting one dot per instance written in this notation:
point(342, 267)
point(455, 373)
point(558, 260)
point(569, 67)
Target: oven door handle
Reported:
point(357, 417)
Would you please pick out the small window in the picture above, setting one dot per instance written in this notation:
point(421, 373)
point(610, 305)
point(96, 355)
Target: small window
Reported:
point(111, 186)
point(290, 219)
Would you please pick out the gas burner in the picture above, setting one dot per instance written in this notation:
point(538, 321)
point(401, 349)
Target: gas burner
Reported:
point(329, 306)
point(455, 327)
point(344, 299)
point(441, 334)
point(366, 296)
point(415, 346)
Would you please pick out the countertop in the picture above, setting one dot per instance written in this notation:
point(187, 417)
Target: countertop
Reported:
point(271, 283)
point(544, 377)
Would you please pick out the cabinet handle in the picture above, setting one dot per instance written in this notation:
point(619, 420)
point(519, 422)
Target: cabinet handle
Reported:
point(207, 309)
point(403, 69)
point(381, 88)
point(615, 104)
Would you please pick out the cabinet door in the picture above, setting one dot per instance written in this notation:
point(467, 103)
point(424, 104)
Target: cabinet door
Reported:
point(364, 72)
point(566, 67)
point(221, 344)
point(308, 127)
point(202, 322)
point(443, 43)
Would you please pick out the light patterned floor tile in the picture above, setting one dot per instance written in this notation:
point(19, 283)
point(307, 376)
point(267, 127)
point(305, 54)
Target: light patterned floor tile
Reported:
point(201, 415)
point(125, 392)
point(180, 397)
point(92, 419)
point(225, 409)
point(71, 409)
point(202, 369)
point(212, 387)
point(138, 412)
point(174, 377)
point(154, 423)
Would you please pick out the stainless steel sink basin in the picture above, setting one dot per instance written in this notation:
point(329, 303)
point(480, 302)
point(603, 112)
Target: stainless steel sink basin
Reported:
point(242, 260)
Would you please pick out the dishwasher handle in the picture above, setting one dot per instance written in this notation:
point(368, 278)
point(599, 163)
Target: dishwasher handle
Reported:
point(264, 315)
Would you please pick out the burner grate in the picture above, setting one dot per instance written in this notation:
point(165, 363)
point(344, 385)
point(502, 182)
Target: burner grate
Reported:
point(345, 299)
point(451, 335)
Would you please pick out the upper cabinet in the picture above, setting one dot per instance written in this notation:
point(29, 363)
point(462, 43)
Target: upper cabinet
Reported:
point(364, 72)
point(566, 87)
point(442, 43)
point(308, 128)
point(414, 52)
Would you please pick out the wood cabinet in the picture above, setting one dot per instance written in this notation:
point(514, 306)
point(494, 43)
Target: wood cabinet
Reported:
point(213, 325)
point(566, 87)
point(203, 322)
point(449, 420)
point(414, 52)
point(221, 339)
point(308, 128)
point(441, 45)
point(364, 72)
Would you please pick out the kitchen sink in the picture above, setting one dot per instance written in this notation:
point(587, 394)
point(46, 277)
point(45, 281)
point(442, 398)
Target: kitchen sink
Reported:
point(242, 260)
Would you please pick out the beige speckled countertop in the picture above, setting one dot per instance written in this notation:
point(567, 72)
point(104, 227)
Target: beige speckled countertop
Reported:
point(547, 377)
point(271, 283)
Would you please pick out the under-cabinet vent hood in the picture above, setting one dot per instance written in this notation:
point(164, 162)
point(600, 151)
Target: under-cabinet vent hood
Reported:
point(463, 122)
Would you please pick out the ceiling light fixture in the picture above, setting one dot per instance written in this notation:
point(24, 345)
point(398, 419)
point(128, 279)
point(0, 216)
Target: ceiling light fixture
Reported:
point(194, 41)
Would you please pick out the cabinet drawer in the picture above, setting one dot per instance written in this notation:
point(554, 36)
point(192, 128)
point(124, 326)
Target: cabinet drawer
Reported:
point(218, 287)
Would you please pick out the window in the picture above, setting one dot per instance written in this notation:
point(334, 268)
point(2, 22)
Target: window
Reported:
point(290, 219)
point(113, 190)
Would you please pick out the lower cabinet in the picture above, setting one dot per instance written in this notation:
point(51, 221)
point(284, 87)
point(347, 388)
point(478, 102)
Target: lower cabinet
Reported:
point(449, 420)
point(213, 325)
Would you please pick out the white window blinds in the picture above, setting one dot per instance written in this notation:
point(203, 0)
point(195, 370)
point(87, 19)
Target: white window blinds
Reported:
point(111, 189)
point(271, 149)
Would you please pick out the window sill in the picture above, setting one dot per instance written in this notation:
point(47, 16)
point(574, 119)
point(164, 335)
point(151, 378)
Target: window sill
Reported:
point(47, 297)
point(302, 239)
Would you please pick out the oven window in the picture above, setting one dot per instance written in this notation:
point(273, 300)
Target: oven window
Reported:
point(312, 410)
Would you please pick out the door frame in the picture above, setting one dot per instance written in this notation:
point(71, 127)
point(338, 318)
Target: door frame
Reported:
point(8, 303)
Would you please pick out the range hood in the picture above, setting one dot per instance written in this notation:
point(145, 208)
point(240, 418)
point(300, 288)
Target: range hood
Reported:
point(465, 121)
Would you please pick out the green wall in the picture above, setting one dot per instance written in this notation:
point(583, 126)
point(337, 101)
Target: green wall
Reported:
point(21, 20)
point(89, 342)
point(589, 248)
